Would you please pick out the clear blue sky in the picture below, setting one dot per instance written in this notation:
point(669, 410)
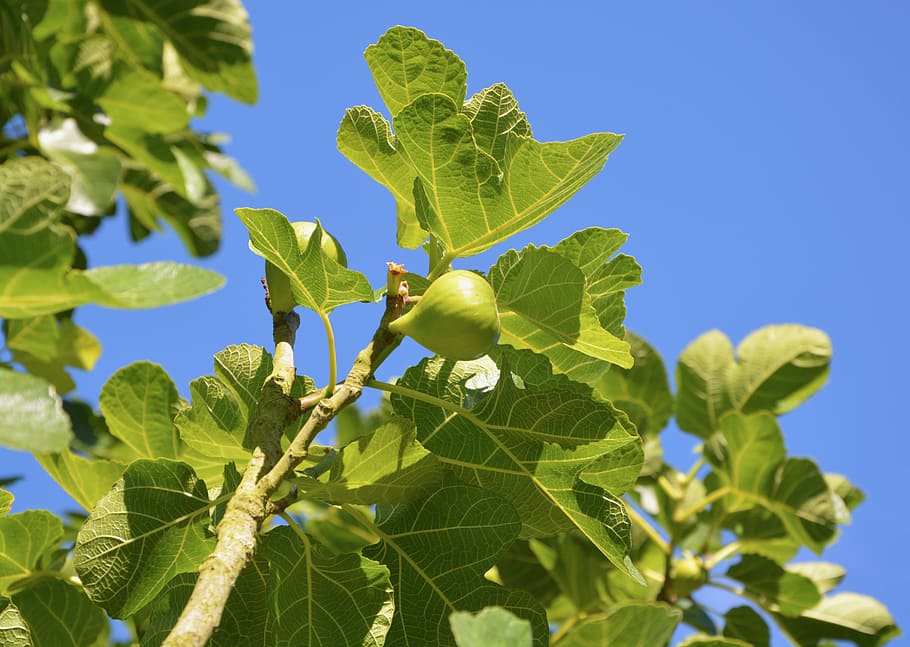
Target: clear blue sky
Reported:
point(763, 179)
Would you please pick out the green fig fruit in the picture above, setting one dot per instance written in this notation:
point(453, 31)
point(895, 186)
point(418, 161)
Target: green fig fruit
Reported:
point(688, 574)
point(282, 298)
point(456, 317)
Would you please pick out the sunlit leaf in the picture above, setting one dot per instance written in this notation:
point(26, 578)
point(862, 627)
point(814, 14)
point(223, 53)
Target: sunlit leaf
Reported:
point(774, 588)
point(86, 480)
point(844, 616)
point(630, 624)
point(33, 418)
point(33, 193)
point(59, 614)
point(490, 627)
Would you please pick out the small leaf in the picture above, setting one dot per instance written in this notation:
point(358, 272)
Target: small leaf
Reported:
point(33, 418)
point(629, 624)
point(24, 539)
point(59, 614)
point(437, 551)
point(34, 335)
point(388, 466)
point(744, 623)
point(318, 598)
point(318, 282)
point(773, 587)
point(139, 403)
point(151, 285)
point(862, 620)
point(700, 383)
point(84, 480)
point(147, 529)
point(490, 627)
point(406, 64)
point(136, 98)
point(33, 193)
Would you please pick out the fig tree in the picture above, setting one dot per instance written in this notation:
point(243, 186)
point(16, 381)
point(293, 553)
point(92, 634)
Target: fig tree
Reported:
point(456, 317)
point(282, 299)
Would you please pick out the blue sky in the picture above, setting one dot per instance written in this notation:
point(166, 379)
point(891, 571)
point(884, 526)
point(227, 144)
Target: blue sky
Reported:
point(763, 179)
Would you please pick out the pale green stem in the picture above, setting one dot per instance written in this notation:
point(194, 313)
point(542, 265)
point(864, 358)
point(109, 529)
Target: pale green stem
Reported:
point(672, 491)
point(690, 475)
point(682, 515)
point(294, 526)
point(425, 397)
point(441, 267)
point(647, 528)
point(725, 552)
point(333, 360)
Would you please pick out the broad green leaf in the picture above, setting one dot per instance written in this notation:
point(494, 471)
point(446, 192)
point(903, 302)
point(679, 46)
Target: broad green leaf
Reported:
point(214, 425)
point(24, 539)
point(437, 551)
point(778, 368)
point(578, 568)
point(777, 590)
point(73, 346)
point(851, 495)
point(245, 622)
point(825, 575)
point(642, 391)
point(630, 624)
point(406, 64)
point(83, 479)
point(150, 527)
point(544, 307)
point(77, 347)
point(751, 455)
point(464, 198)
point(59, 614)
point(520, 569)
point(6, 501)
point(319, 598)
point(156, 155)
point(744, 623)
point(607, 278)
point(527, 444)
point(139, 403)
point(94, 171)
point(34, 335)
point(702, 640)
point(151, 285)
point(700, 383)
point(33, 193)
point(33, 418)
point(318, 282)
point(139, 42)
point(490, 627)
point(212, 37)
point(495, 117)
point(388, 466)
point(136, 98)
point(338, 529)
point(366, 139)
point(862, 620)
point(13, 628)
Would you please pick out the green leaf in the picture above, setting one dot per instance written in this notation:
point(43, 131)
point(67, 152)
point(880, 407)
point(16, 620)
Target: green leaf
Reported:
point(147, 529)
point(702, 640)
point(24, 539)
point(83, 479)
point(13, 628)
point(578, 568)
point(778, 368)
point(318, 282)
point(744, 623)
point(629, 624)
point(151, 285)
point(851, 495)
point(6, 501)
point(495, 118)
point(136, 98)
point(700, 383)
point(33, 418)
point(490, 627)
point(465, 198)
point(59, 614)
point(212, 37)
point(437, 551)
point(319, 598)
point(406, 64)
point(527, 444)
point(366, 139)
point(388, 466)
point(139, 403)
point(862, 620)
point(33, 193)
point(774, 588)
point(642, 391)
point(36, 336)
point(607, 280)
point(245, 622)
point(94, 171)
point(544, 307)
point(825, 575)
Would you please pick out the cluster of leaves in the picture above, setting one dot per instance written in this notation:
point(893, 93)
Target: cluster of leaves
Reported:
point(488, 500)
point(96, 100)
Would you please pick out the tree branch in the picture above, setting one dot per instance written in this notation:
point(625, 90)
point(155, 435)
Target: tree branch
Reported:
point(238, 532)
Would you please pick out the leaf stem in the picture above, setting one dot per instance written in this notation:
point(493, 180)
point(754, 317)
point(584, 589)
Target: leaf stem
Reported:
point(441, 266)
point(724, 552)
point(333, 360)
point(719, 493)
point(647, 528)
point(425, 397)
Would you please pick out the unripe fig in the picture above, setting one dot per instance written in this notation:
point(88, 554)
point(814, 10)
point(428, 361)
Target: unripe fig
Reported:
point(688, 574)
point(282, 298)
point(456, 317)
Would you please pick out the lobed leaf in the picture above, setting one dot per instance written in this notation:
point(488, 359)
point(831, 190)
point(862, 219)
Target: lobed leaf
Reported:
point(149, 528)
point(437, 551)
